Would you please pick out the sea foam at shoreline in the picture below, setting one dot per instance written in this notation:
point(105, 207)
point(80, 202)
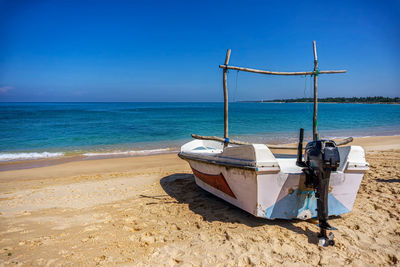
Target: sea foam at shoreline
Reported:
point(29, 156)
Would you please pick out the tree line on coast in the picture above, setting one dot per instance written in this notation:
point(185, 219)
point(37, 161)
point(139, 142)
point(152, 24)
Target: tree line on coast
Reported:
point(369, 99)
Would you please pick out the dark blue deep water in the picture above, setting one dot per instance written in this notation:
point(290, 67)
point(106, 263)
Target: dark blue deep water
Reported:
point(30, 129)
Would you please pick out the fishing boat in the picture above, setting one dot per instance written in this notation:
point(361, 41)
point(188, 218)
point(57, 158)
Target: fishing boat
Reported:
point(323, 183)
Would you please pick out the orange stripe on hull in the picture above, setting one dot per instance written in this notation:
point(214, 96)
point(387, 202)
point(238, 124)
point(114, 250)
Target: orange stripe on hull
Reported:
point(216, 181)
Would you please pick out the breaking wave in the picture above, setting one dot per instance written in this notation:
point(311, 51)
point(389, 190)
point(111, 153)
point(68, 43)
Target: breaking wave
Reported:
point(28, 156)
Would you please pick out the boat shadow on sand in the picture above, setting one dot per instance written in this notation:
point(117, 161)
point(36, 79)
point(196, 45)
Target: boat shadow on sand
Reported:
point(182, 187)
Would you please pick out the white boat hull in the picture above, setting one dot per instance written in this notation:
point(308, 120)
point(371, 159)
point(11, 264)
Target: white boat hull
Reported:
point(251, 178)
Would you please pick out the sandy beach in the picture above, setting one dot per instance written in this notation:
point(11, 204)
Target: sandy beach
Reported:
point(147, 211)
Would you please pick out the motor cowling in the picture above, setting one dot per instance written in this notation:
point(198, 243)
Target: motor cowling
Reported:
point(322, 155)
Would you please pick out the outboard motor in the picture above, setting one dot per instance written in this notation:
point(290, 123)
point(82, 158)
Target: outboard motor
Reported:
point(320, 159)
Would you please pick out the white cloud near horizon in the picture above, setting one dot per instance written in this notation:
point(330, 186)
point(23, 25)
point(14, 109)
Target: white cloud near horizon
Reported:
point(5, 89)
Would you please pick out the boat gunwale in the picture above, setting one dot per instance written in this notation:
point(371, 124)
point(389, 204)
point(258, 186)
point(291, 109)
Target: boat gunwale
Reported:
point(274, 169)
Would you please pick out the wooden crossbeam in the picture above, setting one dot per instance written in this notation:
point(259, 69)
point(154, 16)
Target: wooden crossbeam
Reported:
point(281, 73)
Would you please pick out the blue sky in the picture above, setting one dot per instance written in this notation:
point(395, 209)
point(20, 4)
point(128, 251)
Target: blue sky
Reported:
point(170, 50)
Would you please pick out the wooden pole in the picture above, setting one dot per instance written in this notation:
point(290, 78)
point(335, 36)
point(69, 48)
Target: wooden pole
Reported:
point(344, 141)
point(236, 142)
point(225, 85)
point(279, 72)
point(220, 139)
point(315, 121)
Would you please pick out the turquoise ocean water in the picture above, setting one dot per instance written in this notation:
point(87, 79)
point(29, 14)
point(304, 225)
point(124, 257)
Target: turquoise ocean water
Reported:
point(46, 130)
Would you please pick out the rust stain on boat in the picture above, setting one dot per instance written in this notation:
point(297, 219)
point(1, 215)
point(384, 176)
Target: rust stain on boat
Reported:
point(217, 181)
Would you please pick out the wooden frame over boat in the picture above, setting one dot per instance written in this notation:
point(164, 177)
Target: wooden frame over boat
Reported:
point(252, 178)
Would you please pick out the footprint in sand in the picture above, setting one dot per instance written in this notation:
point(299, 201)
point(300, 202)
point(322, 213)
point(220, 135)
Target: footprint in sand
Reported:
point(147, 240)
